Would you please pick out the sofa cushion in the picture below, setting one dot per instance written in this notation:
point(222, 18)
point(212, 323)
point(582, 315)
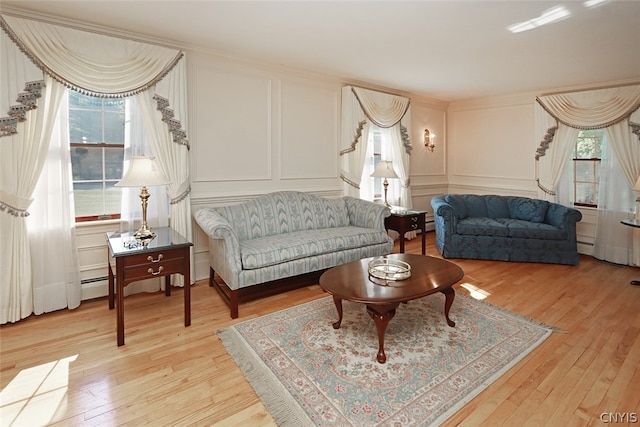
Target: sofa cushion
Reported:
point(475, 205)
point(272, 250)
point(482, 227)
point(458, 205)
point(497, 207)
point(532, 230)
point(527, 209)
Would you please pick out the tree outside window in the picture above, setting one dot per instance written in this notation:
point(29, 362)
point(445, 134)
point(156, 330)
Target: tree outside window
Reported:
point(96, 135)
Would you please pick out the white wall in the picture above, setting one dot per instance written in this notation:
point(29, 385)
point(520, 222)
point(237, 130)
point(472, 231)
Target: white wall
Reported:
point(428, 169)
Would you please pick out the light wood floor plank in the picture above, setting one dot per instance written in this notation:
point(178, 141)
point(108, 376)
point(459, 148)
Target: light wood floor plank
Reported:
point(167, 374)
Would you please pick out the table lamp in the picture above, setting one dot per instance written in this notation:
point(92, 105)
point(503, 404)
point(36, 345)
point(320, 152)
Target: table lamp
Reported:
point(142, 172)
point(384, 170)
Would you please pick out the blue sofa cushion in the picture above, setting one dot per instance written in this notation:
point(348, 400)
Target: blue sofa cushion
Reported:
point(281, 248)
point(527, 209)
point(475, 205)
point(497, 207)
point(458, 205)
point(482, 227)
point(532, 230)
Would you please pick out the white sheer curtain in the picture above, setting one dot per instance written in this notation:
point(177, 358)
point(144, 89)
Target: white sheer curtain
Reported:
point(558, 120)
point(51, 225)
point(615, 203)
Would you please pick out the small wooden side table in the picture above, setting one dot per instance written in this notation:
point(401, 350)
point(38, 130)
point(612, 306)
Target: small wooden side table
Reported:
point(166, 254)
point(636, 224)
point(403, 221)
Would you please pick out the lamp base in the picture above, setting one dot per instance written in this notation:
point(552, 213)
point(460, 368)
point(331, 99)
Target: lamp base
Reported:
point(144, 233)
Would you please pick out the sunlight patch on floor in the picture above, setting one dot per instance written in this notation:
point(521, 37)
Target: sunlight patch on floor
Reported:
point(475, 292)
point(35, 394)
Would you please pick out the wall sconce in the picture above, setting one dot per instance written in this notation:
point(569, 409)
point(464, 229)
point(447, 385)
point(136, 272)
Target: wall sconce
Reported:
point(429, 140)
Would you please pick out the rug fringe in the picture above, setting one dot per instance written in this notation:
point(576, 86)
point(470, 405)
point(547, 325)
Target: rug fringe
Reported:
point(516, 315)
point(280, 404)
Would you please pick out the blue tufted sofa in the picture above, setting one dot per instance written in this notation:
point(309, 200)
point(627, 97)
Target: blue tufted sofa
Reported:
point(505, 228)
point(287, 234)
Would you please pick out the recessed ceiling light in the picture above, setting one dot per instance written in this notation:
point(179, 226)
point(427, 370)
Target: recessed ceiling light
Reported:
point(549, 16)
point(593, 3)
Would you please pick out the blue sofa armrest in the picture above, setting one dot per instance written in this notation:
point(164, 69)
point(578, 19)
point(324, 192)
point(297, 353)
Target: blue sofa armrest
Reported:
point(563, 217)
point(445, 221)
point(366, 214)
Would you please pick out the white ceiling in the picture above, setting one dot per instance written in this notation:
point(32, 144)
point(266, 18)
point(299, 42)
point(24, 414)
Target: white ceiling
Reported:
point(447, 50)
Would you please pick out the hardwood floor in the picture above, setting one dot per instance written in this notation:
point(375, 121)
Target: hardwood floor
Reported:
point(64, 368)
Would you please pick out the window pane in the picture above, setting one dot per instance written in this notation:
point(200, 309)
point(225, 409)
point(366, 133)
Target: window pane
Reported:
point(85, 126)
point(112, 198)
point(92, 200)
point(86, 163)
point(584, 171)
point(589, 144)
point(586, 193)
point(114, 128)
point(113, 160)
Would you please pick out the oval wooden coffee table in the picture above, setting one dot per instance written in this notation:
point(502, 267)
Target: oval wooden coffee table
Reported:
point(352, 282)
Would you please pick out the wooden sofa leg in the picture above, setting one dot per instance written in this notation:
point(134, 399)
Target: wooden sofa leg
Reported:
point(233, 304)
point(211, 277)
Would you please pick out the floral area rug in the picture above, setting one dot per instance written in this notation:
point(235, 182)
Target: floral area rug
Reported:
point(307, 373)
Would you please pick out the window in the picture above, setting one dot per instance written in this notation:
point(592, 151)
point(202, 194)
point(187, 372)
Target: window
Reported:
point(587, 158)
point(96, 135)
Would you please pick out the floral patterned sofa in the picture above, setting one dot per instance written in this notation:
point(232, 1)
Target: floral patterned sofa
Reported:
point(287, 234)
point(505, 228)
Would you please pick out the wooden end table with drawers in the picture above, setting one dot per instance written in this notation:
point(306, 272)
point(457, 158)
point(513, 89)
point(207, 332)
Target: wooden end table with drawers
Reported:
point(166, 254)
point(402, 221)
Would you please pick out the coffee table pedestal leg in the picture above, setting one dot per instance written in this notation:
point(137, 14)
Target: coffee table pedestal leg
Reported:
point(381, 315)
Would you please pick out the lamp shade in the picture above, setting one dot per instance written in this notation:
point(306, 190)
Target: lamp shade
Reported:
point(384, 170)
point(142, 173)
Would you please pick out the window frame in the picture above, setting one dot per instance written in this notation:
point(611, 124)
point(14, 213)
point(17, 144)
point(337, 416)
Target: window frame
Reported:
point(594, 160)
point(103, 146)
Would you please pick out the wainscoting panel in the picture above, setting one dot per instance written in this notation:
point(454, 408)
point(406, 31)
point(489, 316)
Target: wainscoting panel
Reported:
point(309, 130)
point(232, 132)
point(496, 143)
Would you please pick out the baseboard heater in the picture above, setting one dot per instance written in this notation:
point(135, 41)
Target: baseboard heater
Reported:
point(93, 280)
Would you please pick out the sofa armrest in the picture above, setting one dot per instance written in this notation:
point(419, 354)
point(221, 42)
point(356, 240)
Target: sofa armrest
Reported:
point(445, 222)
point(446, 211)
point(563, 217)
point(366, 214)
point(218, 228)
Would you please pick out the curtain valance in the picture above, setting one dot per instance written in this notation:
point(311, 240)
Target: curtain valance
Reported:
point(93, 64)
point(593, 109)
point(383, 109)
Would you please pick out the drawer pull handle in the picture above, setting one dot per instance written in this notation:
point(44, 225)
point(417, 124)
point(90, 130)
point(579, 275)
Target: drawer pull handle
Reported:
point(150, 271)
point(414, 219)
point(150, 258)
